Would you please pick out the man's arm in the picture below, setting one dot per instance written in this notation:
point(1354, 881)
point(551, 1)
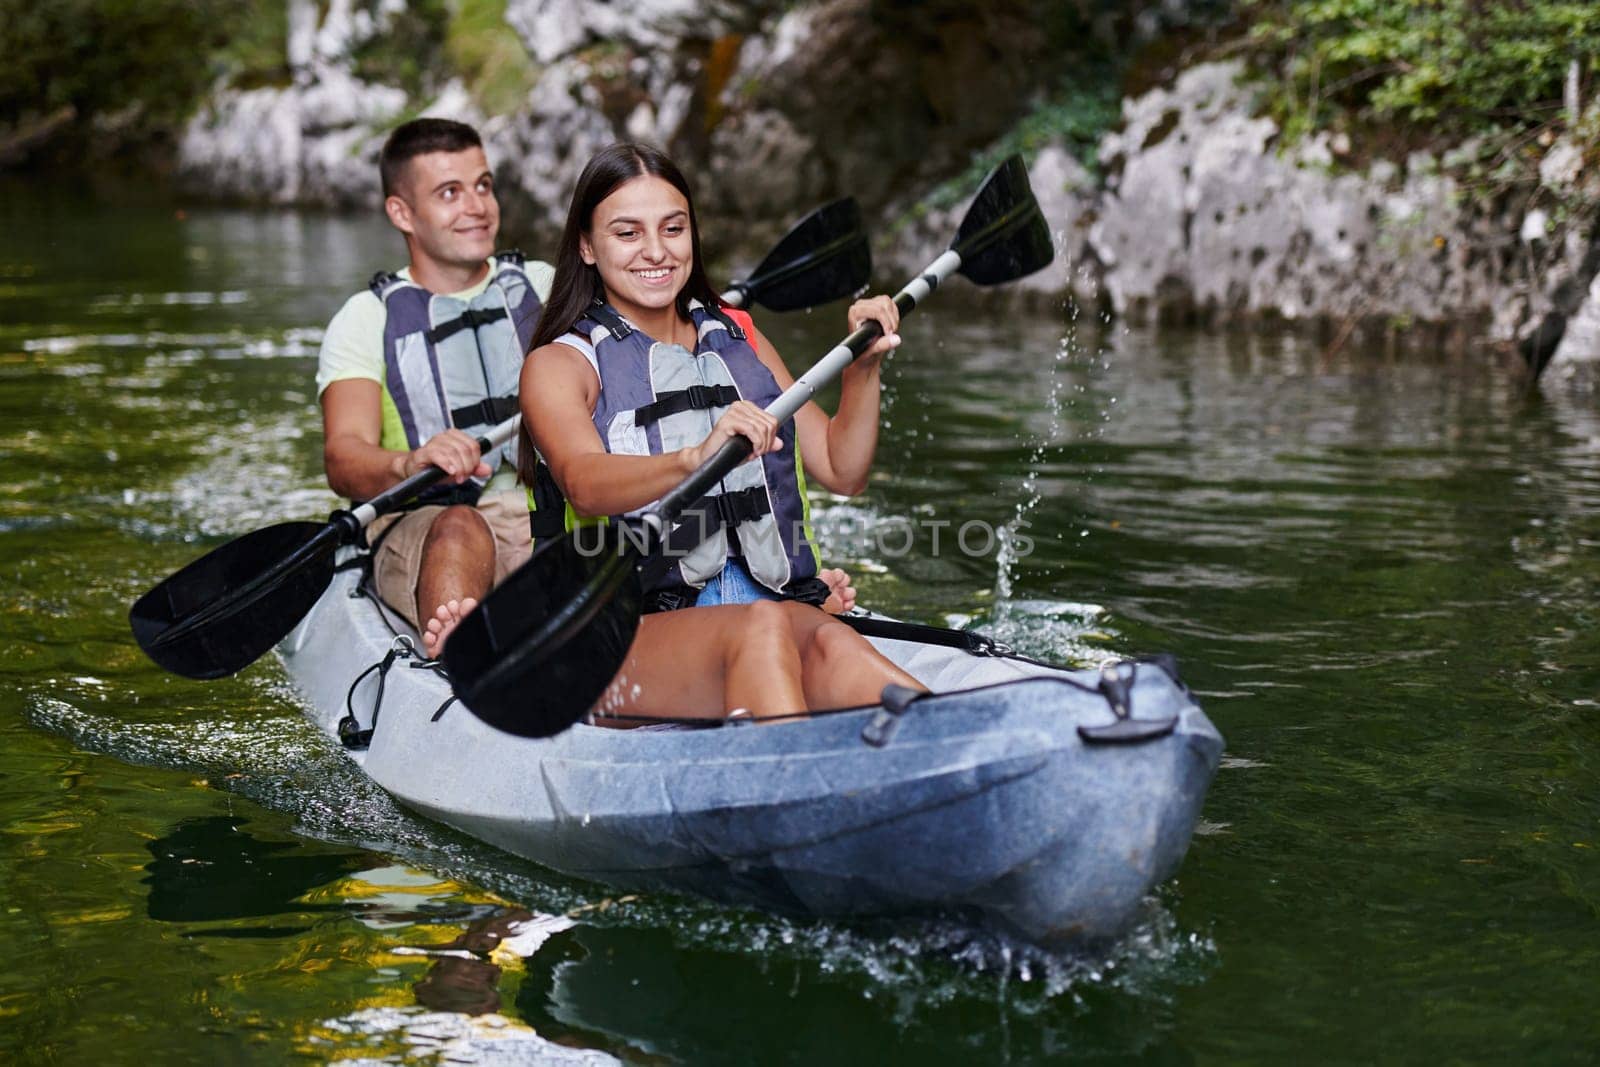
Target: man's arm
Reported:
point(359, 468)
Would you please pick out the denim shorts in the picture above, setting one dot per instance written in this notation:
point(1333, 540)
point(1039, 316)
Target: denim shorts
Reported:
point(733, 586)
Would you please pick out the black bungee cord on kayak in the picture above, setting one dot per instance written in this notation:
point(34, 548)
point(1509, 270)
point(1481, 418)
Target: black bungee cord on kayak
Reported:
point(351, 735)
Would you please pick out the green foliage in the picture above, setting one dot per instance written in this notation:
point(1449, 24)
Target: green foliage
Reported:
point(1077, 115)
point(256, 53)
point(408, 54)
point(1461, 66)
point(489, 55)
point(106, 57)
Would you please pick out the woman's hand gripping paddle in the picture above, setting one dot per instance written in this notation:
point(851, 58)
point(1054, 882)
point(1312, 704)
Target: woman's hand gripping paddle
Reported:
point(533, 658)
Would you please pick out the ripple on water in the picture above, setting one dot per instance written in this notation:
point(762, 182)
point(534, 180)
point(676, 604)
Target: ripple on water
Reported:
point(1056, 631)
point(284, 763)
point(300, 343)
point(920, 965)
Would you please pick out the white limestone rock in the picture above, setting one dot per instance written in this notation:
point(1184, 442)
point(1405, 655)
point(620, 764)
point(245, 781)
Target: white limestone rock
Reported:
point(1201, 209)
point(340, 167)
point(246, 145)
point(541, 151)
point(1562, 166)
point(1581, 342)
point(1207, 214)
point(315, 141)
point(553, 29)
point(338, 100)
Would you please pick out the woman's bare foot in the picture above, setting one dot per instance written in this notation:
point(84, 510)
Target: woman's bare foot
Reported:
point(841, 594)
point(444, 620)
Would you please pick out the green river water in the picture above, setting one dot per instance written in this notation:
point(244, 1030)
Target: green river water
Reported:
point(1379, 573)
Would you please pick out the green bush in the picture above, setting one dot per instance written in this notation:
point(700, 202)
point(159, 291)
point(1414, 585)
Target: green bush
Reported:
point(1460, 66)
point(103, 56)
point(1076, 116)
point(488, 54)
point(257, 50)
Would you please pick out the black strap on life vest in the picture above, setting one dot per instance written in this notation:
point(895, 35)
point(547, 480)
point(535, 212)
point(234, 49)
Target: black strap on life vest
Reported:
point(548, 516)
point(700, 520)
point(468, 319)
point(486, 412)
point(727, 320)
point(724, 511)
point(614, 323)
point(712, 513)
point(694, 398)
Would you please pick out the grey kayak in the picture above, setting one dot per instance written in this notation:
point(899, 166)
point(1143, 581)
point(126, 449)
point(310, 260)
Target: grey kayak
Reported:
point(1042, 801)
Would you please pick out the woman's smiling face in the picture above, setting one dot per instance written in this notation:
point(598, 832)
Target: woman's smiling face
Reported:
point(640, 242)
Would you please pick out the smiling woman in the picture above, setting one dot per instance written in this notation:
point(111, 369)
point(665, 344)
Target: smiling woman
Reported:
point(623, 403)
point(639, 374)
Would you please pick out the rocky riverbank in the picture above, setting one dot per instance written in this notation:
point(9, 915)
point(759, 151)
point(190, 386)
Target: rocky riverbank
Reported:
point(1191, 207)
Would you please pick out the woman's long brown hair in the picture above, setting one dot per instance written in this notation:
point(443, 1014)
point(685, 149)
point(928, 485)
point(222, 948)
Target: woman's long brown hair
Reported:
point(577, 284)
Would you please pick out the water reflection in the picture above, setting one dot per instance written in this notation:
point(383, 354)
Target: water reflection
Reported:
point(641, 995)
point(212, 869)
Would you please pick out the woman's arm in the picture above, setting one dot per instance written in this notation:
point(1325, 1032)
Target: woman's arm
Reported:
point(838, 451)
point(559, 390)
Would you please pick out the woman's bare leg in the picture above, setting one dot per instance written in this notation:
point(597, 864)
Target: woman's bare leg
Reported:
point(705, 662)
point(839, 667)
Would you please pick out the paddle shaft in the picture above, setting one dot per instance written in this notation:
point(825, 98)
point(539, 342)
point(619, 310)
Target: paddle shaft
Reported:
point(736, 449)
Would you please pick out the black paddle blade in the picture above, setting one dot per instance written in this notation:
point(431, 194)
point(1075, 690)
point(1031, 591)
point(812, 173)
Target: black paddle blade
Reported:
point(824, 257)
point(1004, 236)
point(537, 654)
point(221, 612)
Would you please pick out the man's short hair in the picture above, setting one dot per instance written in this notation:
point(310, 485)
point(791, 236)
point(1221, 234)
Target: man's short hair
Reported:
point(418, 138)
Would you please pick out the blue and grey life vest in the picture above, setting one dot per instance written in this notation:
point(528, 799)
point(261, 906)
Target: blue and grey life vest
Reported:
point(455, 363)
point(656, 398)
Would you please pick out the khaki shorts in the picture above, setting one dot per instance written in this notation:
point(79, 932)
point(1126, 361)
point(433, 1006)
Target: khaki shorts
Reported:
point(398, 561)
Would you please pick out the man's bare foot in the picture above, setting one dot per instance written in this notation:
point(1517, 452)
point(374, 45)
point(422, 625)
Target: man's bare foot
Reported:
point(445, 619)
point(841, 594)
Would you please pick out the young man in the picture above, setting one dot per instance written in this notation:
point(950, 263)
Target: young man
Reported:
point(414, 369)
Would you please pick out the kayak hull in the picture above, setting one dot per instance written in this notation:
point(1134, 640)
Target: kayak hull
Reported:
point(985, 802)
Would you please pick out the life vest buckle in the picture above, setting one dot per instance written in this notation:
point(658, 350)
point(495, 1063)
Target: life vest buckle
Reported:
point(740, 506)
point(702, 397)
